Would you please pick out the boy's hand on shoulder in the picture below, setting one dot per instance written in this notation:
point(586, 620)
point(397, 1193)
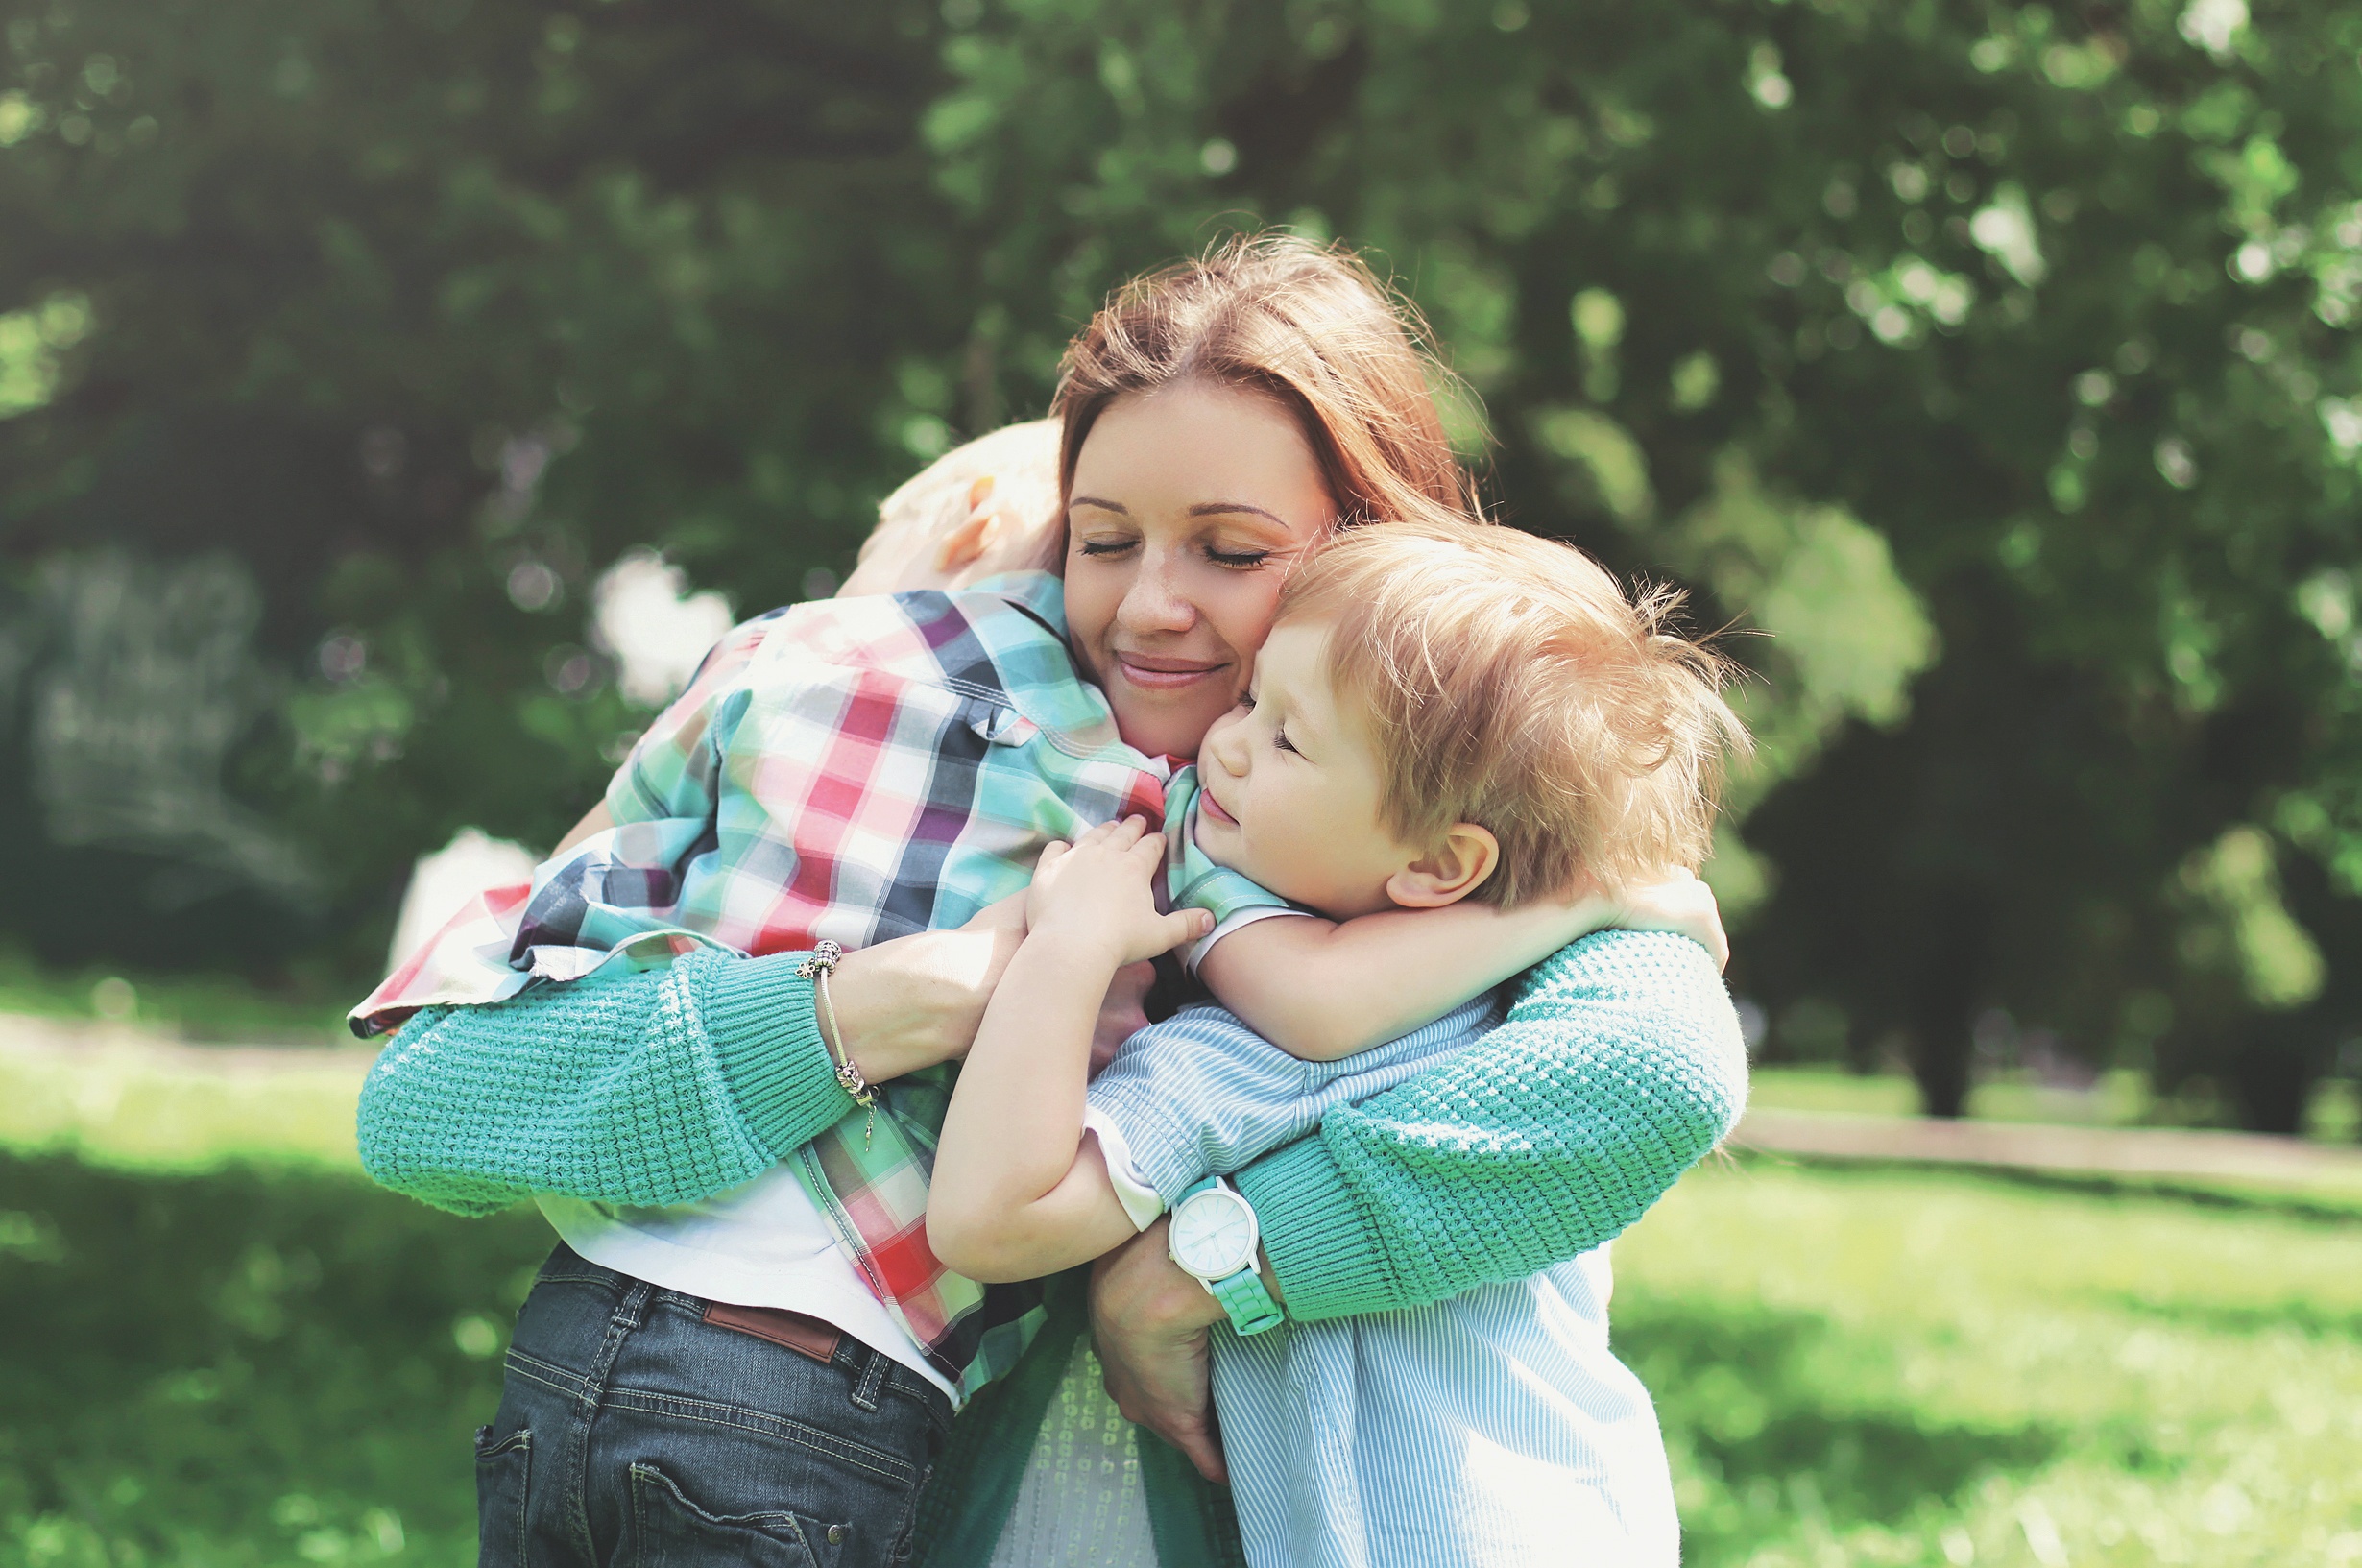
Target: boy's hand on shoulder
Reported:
point(1682, 904)
point(1094, 894)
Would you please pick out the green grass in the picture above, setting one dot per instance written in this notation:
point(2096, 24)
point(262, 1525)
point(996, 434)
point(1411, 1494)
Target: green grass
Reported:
point(243, 1367)
point(1894, 1368)
point(211, 1361)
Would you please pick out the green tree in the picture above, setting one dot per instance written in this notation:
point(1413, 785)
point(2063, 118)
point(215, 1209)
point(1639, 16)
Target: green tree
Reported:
point(1995, 360)
point(2057, 305)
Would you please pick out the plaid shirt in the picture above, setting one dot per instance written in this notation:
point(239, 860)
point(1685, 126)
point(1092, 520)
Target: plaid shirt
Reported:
point(856, 769)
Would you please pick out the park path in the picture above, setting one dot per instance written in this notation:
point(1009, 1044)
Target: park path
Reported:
point(122, 1095)
point(30, 1039)
point(2154, 1153)
point(87, 1074)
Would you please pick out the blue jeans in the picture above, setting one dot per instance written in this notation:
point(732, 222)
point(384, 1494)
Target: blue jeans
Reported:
point(633, 1432)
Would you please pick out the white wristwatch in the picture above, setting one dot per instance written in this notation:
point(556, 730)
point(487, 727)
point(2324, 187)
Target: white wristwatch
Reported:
point(1213, 1238)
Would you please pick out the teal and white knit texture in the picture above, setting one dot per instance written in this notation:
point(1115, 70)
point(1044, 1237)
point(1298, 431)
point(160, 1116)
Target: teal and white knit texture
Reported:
point(1620, 1065)
point(640, 1087)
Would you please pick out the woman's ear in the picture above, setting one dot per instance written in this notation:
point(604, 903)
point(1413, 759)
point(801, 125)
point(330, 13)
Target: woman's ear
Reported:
point(1448, 873)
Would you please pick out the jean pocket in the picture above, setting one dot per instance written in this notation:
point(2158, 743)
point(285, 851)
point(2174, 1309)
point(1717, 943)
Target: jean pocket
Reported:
point(502, 1471)
point(669, 1530)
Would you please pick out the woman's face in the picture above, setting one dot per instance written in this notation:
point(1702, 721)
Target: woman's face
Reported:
point(1189, 504)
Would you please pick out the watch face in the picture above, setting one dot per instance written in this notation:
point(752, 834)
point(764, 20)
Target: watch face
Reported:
point(1213, 1235)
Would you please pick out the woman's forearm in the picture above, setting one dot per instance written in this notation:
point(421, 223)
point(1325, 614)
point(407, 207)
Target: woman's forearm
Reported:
point(649, 1087)
point(919, 1000)
point(1619, 1067)
point(662, 1087)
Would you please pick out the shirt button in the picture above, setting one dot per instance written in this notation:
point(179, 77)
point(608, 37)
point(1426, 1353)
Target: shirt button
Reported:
point(836, 1533)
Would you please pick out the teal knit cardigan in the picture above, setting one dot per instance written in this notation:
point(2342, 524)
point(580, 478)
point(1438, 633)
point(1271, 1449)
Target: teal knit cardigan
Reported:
point(1619, 1066)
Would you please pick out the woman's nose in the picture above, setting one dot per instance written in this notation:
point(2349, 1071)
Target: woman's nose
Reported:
point(1155, 602)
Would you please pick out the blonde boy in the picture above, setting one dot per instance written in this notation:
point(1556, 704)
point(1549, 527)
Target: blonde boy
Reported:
point(1441, 715)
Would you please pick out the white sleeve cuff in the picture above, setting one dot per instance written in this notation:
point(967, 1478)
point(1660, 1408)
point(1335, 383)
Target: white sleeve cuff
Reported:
point(1194, 953)
point(1139, 1200)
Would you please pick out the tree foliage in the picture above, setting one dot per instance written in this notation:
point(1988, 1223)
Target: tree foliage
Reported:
point(1996, 360)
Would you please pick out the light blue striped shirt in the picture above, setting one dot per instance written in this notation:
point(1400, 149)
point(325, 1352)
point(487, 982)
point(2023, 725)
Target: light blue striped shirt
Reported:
point(1493, 1429)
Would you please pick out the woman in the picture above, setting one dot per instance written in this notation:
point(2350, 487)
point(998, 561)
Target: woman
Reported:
point(1216, 423)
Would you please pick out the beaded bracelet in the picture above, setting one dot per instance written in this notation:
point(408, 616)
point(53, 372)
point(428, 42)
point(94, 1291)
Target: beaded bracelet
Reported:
point(817, 969)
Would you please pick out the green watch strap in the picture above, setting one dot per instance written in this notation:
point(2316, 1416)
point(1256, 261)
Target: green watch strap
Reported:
point(1242, 1295)
point(1250, 1306)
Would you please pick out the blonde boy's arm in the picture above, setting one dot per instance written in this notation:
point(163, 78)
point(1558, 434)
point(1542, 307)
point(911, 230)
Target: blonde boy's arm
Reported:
point(1018, 1190)
point(1319, 989)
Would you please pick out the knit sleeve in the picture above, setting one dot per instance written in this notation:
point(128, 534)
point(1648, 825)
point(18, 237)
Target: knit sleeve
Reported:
point(1618, 1067)
point(643, 1087)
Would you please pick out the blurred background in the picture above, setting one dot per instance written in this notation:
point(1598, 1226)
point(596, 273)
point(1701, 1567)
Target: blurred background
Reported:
point(396, 396)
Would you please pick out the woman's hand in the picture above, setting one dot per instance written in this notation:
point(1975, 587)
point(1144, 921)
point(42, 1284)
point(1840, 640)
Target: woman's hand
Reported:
point(917, 1001)
point(1149, 1321)
point(1682, 905)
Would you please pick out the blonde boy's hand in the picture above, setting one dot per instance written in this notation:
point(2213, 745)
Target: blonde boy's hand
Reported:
point(1096, 894)
point(1682, 904)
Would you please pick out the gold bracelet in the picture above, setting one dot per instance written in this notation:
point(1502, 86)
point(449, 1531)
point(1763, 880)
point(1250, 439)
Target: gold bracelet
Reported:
point(848, 1076)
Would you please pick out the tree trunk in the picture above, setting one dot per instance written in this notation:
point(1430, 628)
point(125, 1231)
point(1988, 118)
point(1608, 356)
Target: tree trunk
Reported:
point(1943, 996)
point(2272, 1075)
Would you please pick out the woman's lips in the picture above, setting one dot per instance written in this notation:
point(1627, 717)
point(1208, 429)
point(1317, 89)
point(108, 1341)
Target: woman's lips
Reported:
point(1155, 673)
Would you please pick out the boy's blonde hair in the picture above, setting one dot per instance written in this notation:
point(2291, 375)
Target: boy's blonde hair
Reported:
point(1507, 681)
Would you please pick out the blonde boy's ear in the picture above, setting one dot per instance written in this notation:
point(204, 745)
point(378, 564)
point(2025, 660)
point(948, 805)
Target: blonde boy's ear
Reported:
point(929, 534)
point(1455, 869)
point(965, 545)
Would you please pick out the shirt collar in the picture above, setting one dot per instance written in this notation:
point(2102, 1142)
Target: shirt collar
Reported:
point(1042, 593)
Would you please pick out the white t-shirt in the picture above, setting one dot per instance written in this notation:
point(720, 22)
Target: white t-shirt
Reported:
point(762, 1244)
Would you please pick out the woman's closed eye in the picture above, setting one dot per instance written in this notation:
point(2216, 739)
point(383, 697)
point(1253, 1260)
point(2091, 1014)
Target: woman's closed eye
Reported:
point(1238, 559)
point(1102, 548)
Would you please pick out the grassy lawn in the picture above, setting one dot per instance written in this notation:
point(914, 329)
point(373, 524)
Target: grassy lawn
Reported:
point(213, 1361)
point(1889, 1367)
point(242, 1367)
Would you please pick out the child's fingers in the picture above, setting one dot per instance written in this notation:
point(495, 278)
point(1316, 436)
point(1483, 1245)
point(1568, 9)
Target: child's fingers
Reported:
point(1052, 853)
point(1184, 925)
point(1126, 834)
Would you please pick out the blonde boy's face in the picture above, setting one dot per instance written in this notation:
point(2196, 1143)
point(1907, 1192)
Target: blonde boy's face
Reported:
point(1291, 786)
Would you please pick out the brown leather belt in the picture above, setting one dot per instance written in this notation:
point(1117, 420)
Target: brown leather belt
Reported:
point(800, 1332)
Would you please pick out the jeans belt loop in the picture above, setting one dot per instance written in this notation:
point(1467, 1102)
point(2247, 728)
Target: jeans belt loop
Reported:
point(873, 1380)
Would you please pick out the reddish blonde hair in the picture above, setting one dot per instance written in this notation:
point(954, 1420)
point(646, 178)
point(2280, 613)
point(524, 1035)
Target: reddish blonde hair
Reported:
point(1509, 682)
point(1308, 326)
